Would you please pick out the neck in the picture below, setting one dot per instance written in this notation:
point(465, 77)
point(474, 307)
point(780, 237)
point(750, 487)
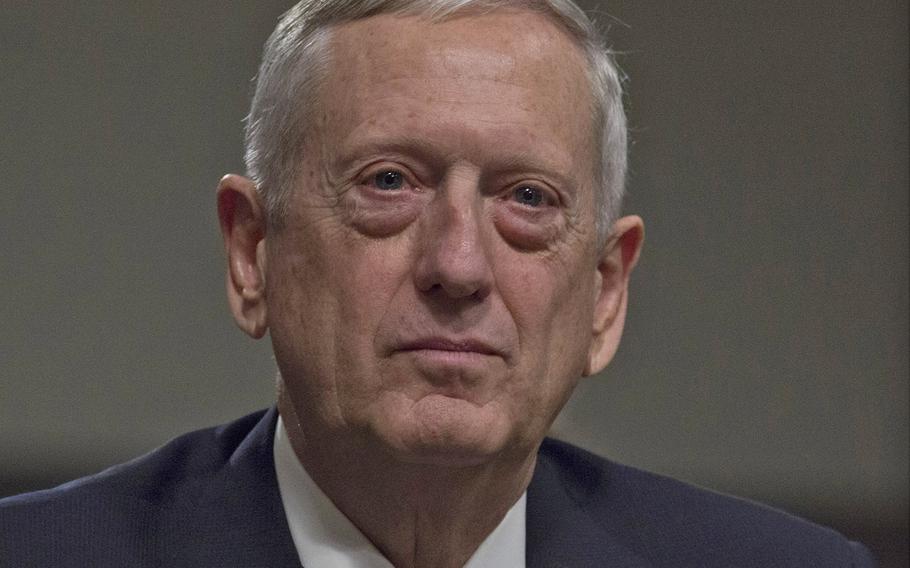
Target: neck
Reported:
point(416, 514)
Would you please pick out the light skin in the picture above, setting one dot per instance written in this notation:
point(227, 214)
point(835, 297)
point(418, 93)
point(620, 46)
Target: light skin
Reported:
point(438, 287)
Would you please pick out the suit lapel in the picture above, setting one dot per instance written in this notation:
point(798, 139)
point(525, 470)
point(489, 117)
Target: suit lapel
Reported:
point(240, 520)
point(561, 530)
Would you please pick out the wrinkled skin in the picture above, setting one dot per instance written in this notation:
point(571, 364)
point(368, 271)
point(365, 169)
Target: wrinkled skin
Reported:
point(438, 287)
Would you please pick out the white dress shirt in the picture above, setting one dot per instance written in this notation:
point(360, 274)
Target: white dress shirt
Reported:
point(325, 538)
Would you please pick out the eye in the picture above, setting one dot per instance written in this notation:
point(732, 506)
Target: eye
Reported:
point(528, 195)
point(389, 180)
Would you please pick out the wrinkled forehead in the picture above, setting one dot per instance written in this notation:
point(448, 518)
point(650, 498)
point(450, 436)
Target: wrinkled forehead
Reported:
point(517, 45)
point(515, 63)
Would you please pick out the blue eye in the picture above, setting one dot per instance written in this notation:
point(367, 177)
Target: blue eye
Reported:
point(527, 195)
point(389, 180)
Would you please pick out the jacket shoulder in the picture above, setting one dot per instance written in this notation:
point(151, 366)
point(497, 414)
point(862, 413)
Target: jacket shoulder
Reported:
point(122, 514)
point(153, 477)
point(672, 523)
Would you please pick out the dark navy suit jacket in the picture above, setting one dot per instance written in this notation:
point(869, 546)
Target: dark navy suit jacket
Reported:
point(210, 499)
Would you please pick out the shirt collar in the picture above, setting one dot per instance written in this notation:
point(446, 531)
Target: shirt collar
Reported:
point(324, 537)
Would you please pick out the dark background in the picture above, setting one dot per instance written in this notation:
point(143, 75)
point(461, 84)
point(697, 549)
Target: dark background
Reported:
point(766, 348)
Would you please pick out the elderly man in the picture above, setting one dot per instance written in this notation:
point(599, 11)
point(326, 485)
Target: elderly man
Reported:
point(429, 234)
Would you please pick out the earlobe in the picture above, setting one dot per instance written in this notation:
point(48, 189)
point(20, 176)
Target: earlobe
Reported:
point(243, 229)
point(619, 257)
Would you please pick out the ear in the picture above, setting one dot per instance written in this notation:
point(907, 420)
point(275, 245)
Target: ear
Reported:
point(243, 228)
point(619, 256)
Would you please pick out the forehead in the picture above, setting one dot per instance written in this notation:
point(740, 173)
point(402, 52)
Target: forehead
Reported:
point(518, 35)
point(511, 69)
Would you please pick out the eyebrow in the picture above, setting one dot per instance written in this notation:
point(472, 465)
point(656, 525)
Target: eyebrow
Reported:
point(518, 162)
point(379, 145)
point(523, 162)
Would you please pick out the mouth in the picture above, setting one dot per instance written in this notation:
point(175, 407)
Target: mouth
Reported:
point(453, 348)
point(454, 367)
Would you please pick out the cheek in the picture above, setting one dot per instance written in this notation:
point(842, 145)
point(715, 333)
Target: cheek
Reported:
point(365, 300)
point(323, 317)
point(552, 305)
point(296, 311)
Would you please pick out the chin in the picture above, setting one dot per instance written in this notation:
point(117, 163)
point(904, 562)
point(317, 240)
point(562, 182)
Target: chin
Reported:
point(445, 431)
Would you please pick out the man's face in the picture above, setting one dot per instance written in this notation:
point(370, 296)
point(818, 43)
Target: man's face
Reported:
point(432, 290)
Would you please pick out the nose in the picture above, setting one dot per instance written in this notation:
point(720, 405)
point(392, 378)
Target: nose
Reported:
point(453, 258)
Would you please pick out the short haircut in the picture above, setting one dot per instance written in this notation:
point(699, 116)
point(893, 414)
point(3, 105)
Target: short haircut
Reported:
point(295, 59)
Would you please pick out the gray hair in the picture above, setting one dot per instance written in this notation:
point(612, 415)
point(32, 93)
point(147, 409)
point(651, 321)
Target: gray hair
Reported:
point(296, 56)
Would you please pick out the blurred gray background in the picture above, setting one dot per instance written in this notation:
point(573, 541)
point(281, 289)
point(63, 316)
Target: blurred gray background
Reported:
point(767, 342)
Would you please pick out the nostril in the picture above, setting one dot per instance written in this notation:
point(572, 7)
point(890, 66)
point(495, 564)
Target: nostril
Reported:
point(453, 280)
point(460, 289)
